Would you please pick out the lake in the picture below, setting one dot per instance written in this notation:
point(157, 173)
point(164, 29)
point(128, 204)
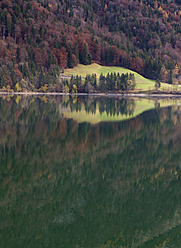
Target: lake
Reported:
point(90, 172)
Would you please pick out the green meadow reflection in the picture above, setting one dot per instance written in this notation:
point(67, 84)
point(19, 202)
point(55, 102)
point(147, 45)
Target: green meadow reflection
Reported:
point(72, 183)
point(110, 109)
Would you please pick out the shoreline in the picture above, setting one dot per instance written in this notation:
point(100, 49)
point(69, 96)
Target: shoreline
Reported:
point(142, 95)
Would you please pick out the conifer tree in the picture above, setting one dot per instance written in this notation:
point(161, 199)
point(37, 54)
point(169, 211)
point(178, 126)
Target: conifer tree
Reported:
point(70, 59)
point(77, 52)
point(18, 54)
point(170, 81)
point(86, 57)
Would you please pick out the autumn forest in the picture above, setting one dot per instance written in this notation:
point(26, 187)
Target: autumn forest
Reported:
point(39, 39)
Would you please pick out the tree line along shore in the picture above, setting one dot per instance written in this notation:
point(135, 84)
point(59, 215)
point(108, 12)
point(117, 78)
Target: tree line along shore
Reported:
point(108, 80)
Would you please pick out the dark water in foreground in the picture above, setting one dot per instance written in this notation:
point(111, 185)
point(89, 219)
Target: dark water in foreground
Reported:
point(69, 183)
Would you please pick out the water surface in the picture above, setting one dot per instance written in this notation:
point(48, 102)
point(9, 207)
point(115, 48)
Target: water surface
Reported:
point(90, 172)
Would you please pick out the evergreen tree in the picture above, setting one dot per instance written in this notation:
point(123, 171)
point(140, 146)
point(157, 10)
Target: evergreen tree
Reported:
point(102, 83)
point(77, 52)
point(18, 54)
point(170, 80)
point(86, 56)
point(94, 81)
point(70, 59)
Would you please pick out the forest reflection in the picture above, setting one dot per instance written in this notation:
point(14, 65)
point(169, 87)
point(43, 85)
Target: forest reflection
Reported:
point(73, 184)
point(110, 106)
point(91, 105)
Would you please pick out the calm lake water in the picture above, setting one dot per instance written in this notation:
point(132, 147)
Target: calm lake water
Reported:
point(90, 172)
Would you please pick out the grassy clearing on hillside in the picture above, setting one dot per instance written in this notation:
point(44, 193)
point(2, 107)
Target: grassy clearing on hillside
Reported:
point(142, 84)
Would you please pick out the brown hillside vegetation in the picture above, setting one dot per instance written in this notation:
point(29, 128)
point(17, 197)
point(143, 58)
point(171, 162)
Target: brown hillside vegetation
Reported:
point(40, 38)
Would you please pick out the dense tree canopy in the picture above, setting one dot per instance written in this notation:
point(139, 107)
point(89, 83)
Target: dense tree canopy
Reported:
point(40, 37)
point(109, 83)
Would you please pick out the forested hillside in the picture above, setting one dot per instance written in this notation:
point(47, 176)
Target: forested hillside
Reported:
point(38, 39)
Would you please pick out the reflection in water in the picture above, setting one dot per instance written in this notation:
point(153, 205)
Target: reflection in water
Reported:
point(97, 109)
point(111, 106)
point(74, 184)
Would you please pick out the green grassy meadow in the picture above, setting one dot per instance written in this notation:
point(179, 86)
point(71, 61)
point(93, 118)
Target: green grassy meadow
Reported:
point(142, 84)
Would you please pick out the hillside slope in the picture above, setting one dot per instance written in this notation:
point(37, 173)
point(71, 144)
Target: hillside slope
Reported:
point(40, 38)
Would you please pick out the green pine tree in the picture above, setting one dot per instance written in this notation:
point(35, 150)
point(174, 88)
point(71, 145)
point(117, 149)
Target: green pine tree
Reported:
point(70, 59)
point(86, 57)
point(170, 81)
point(77, 52)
